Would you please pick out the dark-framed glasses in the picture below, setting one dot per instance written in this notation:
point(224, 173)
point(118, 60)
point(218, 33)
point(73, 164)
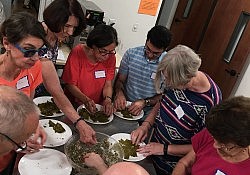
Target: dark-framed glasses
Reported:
point(20, 147)
point(31, 52)
point(104, 52)
point(149, 51)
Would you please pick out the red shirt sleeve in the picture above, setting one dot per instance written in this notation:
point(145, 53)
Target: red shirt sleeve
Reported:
point(201, 139)
point(111, 67)
point(71, 71)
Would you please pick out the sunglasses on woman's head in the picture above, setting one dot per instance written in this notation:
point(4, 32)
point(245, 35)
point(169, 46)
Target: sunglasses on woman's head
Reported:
point(31, 52)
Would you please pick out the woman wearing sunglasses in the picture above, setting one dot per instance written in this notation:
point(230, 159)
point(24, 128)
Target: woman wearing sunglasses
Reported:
point(23, 39)
point(90, 69)
point(62, 18)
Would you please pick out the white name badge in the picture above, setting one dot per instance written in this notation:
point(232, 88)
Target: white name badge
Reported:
point(22, 83)
point(153, 75)
point(179, 112)
point(218, 172)
point(100, 74)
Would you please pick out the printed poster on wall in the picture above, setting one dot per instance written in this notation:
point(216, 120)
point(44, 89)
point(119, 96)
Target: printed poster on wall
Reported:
point(148, 7)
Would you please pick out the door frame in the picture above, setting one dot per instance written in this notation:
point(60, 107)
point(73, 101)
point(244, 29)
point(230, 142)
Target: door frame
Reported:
point(239, 83)
point(167, 20)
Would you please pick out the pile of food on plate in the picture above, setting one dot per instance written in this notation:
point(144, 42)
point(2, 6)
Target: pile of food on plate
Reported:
point(98, 116)
point(48, 108)
point(126, 114)
point(129, 148)
point(58, 128)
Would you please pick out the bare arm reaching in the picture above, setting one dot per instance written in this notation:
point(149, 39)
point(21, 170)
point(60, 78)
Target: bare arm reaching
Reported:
point(183, 167)
point(120, 99)
point(52, 84)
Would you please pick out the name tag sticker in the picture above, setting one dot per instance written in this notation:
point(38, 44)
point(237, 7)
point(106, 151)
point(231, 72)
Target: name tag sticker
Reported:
point(153, 75)
point(22, 83)
point(100, 74)
point(218, 172)
point(179, 112)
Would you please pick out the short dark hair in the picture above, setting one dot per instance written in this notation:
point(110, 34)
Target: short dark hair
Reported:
point(57, 14)
point(102, 35)
point(21, 24)
point(229, 122)
point(159, 36)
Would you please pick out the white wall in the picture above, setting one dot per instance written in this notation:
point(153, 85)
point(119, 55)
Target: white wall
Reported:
point(242, 87)
point(42, 6)
point(7, 7)
point(125, 14)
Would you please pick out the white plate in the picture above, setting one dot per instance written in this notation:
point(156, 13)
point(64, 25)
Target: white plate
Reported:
point(44, 162)
point(125, 136)
point(55, 139)
point(44, 99)
point(99, 107)
point(119, 114)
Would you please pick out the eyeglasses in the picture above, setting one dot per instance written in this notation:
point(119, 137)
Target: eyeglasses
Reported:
point(148, 51)
point(105, 52)
point(31, 52)
point(20, 148)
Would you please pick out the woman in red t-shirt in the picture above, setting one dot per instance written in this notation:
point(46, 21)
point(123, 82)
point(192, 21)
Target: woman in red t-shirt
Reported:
point(90, 69)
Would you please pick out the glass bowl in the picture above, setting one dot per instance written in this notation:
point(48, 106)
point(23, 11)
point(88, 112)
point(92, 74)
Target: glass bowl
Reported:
point(107, 147)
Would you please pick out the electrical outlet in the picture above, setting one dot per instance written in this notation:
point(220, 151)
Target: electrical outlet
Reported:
point(111, 21)
point(135, 27)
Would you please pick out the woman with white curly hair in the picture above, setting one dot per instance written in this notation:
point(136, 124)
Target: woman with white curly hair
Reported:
point(188, 96)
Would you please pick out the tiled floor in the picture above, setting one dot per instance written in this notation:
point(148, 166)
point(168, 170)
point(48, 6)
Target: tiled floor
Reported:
point(18, 6)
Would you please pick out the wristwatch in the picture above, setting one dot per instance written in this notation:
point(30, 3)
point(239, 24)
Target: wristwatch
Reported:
point(147, 102)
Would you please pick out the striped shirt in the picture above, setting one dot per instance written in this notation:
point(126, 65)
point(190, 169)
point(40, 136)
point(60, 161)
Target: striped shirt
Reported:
point(182, 115)
point(140, 72)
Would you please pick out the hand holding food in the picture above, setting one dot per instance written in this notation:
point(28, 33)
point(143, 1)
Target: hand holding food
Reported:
point(136, 107)
point(35, 142)
point(120, 101)
point(87, 134)
point(90, 105)
point(94, 160)
point(139, 135)
point(108, 108)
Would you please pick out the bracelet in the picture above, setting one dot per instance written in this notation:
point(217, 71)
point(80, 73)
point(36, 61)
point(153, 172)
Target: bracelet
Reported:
point(148, 123)
point(165, 149)
point(75, 123)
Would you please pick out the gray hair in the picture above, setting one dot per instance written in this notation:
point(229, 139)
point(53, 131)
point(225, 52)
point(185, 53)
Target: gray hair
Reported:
point(15, 108)
point(178, 66)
